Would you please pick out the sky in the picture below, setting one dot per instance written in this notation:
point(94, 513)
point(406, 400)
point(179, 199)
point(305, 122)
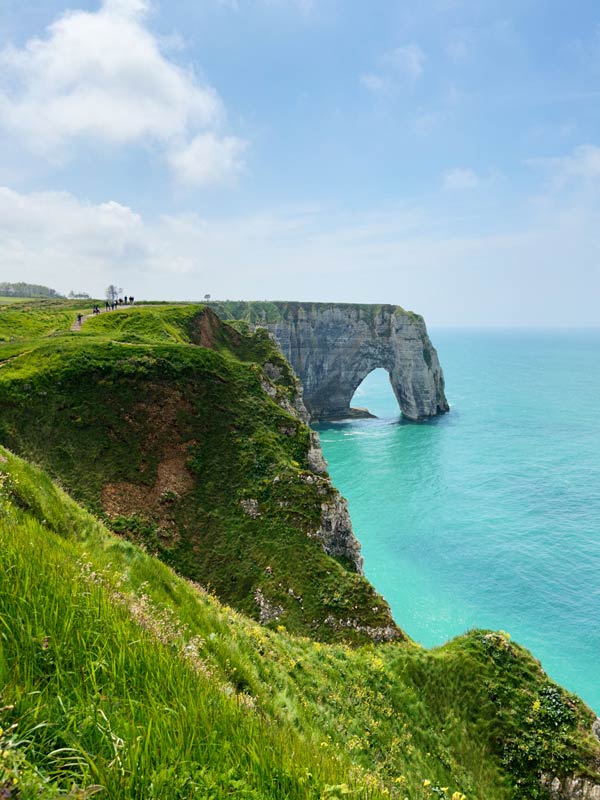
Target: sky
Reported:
point(443, 155)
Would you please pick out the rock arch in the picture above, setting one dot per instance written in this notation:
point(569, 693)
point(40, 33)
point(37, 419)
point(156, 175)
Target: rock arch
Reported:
point(333, 347)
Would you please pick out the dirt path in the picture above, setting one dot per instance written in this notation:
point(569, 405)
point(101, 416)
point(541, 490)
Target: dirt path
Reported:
point(76, 326)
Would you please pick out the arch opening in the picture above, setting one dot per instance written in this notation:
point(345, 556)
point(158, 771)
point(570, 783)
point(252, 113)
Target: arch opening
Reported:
point(376, 396)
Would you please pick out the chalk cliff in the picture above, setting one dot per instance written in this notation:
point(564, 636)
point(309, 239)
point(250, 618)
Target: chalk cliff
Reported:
point(333, 347)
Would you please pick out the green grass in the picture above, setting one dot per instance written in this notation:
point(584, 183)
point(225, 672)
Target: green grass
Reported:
point(117, 673)
point(9, 301)
point(28, 319)
point(135, 407)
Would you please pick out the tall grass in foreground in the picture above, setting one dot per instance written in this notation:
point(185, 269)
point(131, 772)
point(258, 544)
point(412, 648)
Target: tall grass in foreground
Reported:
point(100, 696)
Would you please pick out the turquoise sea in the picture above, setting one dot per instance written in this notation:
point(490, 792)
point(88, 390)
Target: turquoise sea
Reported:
point(489, 516)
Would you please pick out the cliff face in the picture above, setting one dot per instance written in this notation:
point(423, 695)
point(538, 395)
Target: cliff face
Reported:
point(333, 347)
point(193, 443)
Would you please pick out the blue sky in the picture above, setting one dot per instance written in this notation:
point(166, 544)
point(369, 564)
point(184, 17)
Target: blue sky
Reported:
point(443, 155)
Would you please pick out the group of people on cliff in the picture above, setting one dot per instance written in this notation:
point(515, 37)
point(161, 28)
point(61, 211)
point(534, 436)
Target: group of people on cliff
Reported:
point(110, 305)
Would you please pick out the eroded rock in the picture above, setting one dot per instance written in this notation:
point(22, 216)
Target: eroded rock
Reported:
point(268, 611)
point(571, 788)
point(336, 535)
point(333, 347)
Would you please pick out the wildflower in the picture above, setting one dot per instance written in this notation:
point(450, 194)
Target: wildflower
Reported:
point(426, 783)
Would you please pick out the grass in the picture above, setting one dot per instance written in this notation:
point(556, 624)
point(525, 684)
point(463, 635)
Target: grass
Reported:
point(28, 319)
point(101, 687)
point(9, 301)
point(119, 674)
point(158, 419)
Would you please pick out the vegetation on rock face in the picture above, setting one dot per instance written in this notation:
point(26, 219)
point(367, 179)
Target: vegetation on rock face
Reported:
point(116, 674)
point(263, 312)
point(120, 677)
point(166, 422)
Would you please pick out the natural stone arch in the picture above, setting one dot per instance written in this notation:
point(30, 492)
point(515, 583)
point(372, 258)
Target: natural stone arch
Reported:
point(333, 347)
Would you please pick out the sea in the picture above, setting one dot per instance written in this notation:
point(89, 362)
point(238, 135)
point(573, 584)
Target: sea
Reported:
point(489, 516)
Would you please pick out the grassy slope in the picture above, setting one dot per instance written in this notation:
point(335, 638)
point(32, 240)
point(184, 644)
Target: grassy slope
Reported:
point(169, 439)
point(120, 674)
point(21, 320)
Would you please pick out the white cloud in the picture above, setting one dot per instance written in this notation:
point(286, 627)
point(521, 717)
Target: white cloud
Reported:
point(407, 60)
point(47, 232)
point(208, 159)
point(374, 83)
point(102, 77)
point(127, 8)
point(582, 166)
point(428, 260)
point(402, 66)
point(460, 178)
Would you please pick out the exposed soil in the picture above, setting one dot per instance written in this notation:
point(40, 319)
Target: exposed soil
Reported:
point(206, 329)
point(160, 423)
point(173, 480)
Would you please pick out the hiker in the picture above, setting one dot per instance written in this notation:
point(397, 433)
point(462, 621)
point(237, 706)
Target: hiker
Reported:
point(125, 300)
point(130, 300)
point(79, 319)
point(107, 306)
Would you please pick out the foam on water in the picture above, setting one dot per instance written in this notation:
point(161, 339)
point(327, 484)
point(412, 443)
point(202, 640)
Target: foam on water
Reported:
point(488, 516)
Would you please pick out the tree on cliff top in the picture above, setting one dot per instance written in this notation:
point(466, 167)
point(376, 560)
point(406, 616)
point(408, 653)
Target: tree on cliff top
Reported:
point(113, 292)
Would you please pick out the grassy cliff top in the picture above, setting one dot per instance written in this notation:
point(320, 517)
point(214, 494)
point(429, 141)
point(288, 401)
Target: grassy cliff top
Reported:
point(271, 312)
point(181, 433)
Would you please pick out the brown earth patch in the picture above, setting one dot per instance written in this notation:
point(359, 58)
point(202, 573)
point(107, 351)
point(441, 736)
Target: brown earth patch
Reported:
point(206, 329)
point(173, 481)
point(160, 420)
